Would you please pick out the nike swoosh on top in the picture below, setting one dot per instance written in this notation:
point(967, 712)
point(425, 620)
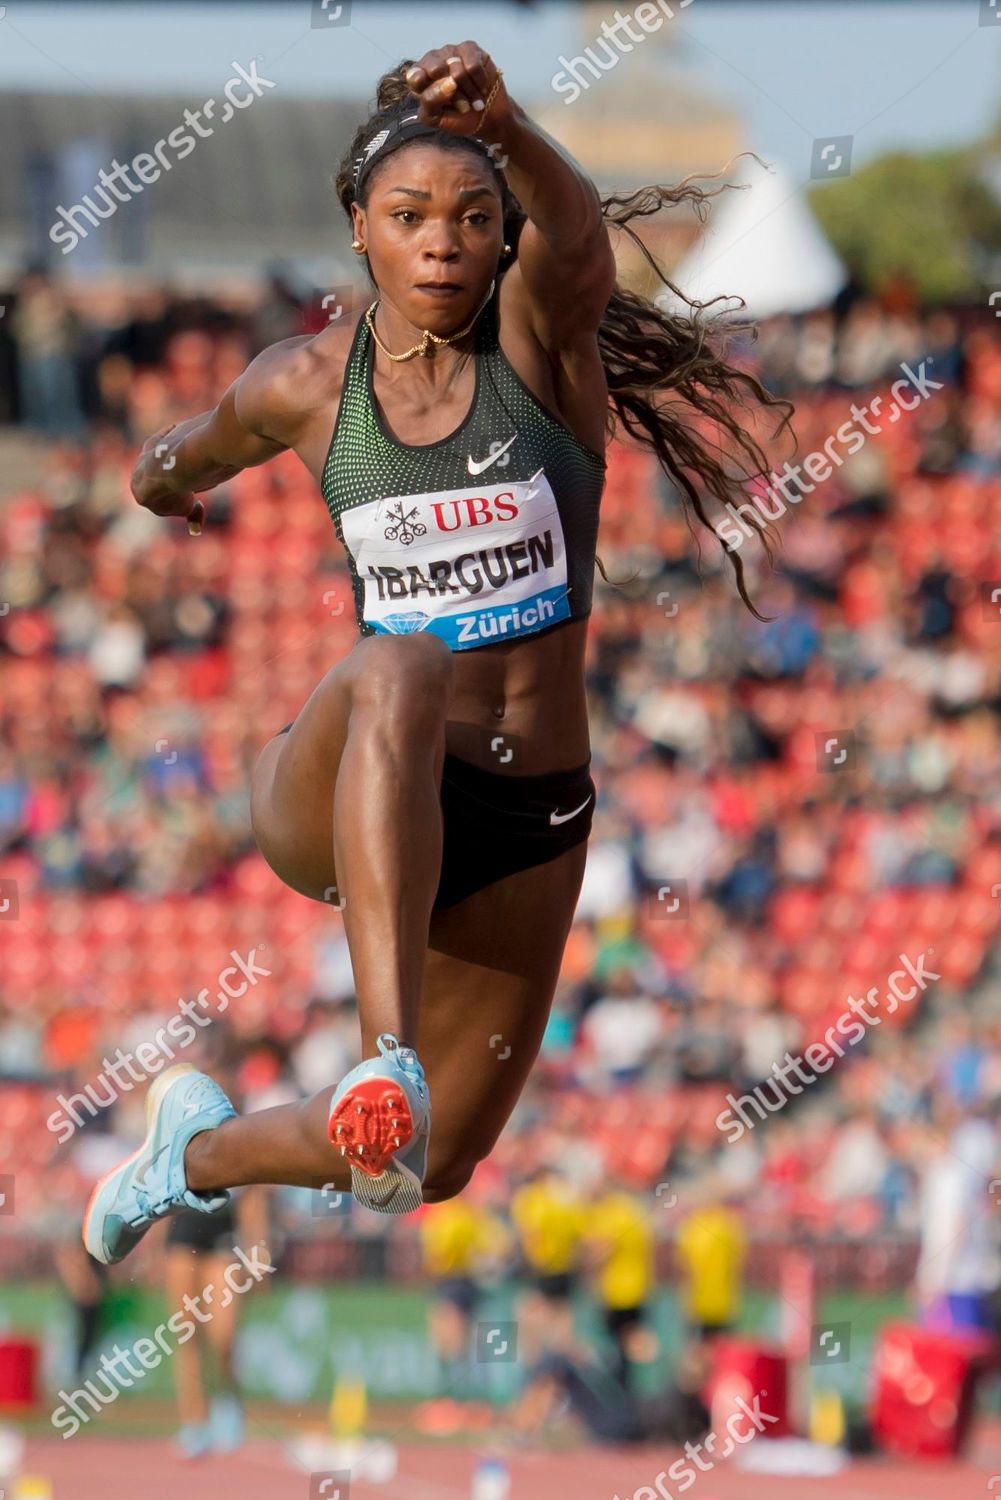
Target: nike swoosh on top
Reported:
point(478, 467)
point(555, 817)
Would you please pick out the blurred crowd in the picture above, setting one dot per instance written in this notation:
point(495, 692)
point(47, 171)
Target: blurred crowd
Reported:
point(741, 883)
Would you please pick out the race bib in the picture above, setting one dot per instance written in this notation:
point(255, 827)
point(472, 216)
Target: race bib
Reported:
point(471, 565)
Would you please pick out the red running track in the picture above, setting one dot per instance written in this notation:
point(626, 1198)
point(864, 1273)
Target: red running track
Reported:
point(98, 1468)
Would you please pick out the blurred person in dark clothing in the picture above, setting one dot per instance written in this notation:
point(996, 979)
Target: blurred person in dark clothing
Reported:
point(560, 1385)
point(47, 335)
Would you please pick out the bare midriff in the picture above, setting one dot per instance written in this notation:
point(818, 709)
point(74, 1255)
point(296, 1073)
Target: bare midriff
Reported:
point(526, 698)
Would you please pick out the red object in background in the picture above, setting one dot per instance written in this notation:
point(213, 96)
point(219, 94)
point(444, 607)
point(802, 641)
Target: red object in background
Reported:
point(925, 1382)
point(758, 1374)
point(18, 1375)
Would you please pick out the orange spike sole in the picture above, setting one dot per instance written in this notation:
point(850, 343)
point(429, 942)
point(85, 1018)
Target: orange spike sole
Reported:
point(370, 1124)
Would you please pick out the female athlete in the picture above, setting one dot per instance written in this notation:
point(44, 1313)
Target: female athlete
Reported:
point(437, 781)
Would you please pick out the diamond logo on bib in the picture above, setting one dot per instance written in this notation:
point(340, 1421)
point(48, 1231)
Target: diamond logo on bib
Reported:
point(406, 624)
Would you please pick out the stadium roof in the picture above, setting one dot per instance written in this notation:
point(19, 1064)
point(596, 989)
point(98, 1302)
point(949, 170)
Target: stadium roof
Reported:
point(256, 190)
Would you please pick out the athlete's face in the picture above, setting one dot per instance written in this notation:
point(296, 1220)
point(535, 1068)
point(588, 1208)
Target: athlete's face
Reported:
point(434, 230)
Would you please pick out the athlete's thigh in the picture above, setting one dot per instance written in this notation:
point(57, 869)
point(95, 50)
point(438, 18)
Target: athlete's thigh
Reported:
point(295, 775)
point(292, 787)
point(491, 971)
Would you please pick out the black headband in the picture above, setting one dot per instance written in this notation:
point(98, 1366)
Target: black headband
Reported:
point(405, 125)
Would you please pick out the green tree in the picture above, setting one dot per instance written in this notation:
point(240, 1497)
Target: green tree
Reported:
point(931, 218)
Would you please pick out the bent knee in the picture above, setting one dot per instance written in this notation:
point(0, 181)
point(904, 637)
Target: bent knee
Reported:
point(447, 1181)
point(420, 665)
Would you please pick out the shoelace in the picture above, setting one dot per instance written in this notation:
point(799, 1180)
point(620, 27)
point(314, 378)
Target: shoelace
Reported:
point(406, 1059)
point(151, 1205)
point(410, 1065)
point(201, 1093)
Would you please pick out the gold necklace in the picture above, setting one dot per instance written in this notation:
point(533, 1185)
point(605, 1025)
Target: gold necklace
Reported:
point(423, 346)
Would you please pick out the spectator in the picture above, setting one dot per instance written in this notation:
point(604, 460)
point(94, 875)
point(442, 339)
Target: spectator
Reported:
point(47, 337)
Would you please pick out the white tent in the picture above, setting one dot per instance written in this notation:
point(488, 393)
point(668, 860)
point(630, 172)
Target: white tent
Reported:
point(761, 243)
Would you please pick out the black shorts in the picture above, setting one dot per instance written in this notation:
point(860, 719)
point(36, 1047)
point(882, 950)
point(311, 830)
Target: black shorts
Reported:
point(495, 825)
point(619, 1319)
point(556, 1286)
point(461, 1291)
point(203, 1233)
point(708, 1331)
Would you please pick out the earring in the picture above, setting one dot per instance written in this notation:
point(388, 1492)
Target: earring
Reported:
point(357, 246)
point(507, 249)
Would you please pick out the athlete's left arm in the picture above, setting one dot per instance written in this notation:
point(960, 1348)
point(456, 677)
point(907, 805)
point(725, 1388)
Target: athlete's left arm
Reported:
point(565, 270)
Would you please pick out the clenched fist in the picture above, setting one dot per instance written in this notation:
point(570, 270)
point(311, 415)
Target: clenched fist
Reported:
point(454, 84)
point(152, 484)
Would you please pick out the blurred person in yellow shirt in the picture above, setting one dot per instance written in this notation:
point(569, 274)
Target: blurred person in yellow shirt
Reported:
point(620, 1255)
point(462, 1241)
point(711, 1248)
point(549, 1217)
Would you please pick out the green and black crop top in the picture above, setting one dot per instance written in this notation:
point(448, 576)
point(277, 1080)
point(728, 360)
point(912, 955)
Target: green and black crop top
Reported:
point(488, 534)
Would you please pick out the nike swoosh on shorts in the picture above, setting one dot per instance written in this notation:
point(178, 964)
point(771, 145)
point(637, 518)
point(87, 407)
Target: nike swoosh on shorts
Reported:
point(477, 468)
point(555, 817)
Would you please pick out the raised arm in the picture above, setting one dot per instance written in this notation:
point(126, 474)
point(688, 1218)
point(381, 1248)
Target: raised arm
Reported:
point(565, 269)
point(565, 263)
point(253, 421)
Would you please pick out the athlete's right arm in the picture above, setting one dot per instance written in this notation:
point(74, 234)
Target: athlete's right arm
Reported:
point(255, 419)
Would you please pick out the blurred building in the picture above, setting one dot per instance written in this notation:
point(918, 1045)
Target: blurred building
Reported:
point(260, 186)
point(636, 118)
point(642, 119)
